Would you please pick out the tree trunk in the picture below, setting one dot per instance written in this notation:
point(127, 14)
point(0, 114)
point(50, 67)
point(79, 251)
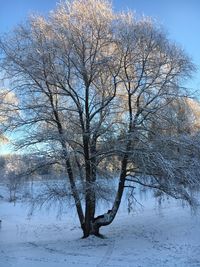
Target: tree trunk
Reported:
point(75, 195)
point(90, 199)
point(107, 218)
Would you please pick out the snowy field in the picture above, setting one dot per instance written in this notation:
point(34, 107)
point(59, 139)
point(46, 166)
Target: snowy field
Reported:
point(151, 236)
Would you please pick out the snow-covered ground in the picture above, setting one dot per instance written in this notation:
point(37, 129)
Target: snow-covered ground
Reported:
point(168, 236)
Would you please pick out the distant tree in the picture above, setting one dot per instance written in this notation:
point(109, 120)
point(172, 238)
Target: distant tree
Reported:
point(92, 84)
point(8, 110)
point(2, 162)
point(11, 177)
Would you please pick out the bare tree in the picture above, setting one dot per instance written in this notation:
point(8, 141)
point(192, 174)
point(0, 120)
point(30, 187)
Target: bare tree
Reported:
point(92, 84)
point(8, 110)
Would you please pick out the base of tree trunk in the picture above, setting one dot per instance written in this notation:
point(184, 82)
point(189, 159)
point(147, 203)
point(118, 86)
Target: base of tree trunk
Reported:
point(94, 234)
point(100, 236)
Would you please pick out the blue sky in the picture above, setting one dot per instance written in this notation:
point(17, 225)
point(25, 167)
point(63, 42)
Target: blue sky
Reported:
point(181, 18)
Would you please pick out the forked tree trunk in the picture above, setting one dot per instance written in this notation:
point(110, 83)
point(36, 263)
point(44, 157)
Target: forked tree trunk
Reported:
point(94, 224)
point(93, 228)
point(107, 218)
